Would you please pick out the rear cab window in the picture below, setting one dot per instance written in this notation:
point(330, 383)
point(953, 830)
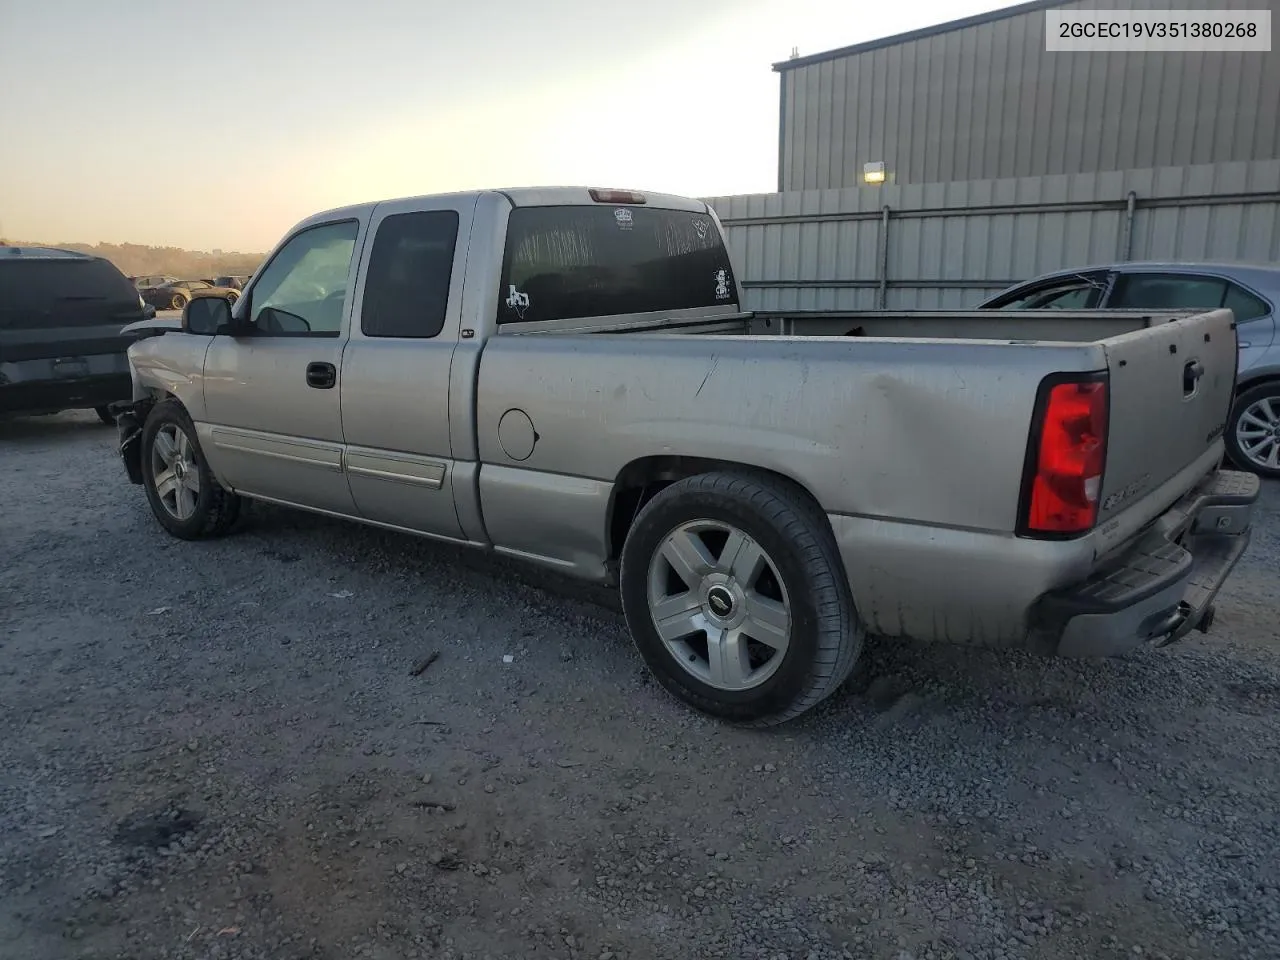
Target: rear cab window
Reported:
point(602, 260)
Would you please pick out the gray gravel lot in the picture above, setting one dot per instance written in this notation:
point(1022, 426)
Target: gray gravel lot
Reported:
point(218, 750)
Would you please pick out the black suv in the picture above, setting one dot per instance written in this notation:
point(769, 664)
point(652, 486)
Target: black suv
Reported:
point(60, 344)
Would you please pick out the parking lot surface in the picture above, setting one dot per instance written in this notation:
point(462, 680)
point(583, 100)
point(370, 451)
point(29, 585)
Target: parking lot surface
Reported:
point(226, 749)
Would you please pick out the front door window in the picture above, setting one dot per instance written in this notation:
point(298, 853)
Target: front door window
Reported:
point(303, 290)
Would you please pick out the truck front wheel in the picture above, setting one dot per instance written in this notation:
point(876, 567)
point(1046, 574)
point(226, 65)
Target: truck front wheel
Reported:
point(183, 493)
point(735, 595)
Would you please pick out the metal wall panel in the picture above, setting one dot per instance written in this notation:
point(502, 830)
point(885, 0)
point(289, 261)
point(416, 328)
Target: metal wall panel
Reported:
point(949, 245)
point(987, 101)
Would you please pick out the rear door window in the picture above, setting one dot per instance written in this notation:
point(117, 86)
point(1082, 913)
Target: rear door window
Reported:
point(565, 262)
point(1167, 291)
point(1244, 304)
point(406, 289)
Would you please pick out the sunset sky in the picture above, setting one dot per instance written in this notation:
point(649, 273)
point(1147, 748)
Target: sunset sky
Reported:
point(209, 126)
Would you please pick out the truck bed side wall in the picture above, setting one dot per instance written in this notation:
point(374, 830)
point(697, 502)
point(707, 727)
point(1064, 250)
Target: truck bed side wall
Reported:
point(926, 436)
point(925, 431)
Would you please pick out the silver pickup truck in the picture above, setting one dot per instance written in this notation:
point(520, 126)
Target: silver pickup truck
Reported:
point(566, 376)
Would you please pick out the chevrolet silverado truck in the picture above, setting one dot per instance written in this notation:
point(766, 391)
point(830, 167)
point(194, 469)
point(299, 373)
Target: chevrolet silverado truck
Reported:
point(567, 376)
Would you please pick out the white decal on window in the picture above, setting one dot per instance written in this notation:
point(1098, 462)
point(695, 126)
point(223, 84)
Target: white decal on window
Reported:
point(623, 216)
point(700, 228)
point(517, 301)
point(722, 285)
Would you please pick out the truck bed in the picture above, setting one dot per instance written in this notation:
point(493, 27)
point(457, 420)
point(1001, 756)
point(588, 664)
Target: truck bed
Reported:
point(916, 447)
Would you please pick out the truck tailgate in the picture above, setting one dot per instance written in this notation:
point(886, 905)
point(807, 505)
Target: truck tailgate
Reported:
point(1171, 389)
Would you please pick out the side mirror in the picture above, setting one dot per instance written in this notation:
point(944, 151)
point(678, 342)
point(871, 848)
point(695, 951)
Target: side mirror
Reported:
point(206, 315)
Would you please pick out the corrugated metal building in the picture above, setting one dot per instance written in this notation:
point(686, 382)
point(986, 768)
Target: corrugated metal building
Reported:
point(949, 245)
point(981, 99)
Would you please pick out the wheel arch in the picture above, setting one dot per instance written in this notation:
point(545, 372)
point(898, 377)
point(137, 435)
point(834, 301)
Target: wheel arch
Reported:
point(132, 417)
point(214, 506)
point(643, 478)
point(149, 395)
point(1269, 376)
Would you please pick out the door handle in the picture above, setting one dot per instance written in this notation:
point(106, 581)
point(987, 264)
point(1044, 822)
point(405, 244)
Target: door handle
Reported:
point(322, 376)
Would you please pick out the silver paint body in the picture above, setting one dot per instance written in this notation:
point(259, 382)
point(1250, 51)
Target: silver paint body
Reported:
point(913, 447)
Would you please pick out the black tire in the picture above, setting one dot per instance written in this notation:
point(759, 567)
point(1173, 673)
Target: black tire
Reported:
point(1250, 397)
point(216, 510)
point(104, 416)
point(826, 636)
point(177, 302)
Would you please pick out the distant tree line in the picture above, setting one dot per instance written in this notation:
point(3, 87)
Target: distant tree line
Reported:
point(138, 260)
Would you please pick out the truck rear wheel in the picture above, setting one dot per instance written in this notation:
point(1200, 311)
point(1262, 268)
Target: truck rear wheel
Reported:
point(735, 595)
point(183, 493)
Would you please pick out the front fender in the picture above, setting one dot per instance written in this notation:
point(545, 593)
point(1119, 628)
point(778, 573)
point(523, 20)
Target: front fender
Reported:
point(171, 365)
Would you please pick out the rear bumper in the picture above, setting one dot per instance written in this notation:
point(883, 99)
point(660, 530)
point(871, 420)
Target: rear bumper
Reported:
point(1163, 586)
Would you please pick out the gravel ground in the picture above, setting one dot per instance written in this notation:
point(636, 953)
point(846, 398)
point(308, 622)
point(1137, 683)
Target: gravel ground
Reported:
point(220, 750)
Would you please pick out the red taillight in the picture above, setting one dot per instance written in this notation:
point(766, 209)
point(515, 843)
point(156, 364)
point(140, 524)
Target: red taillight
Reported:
point(616, 196)
point(1070, 452)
